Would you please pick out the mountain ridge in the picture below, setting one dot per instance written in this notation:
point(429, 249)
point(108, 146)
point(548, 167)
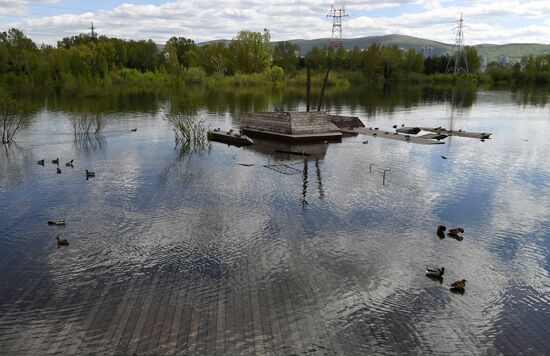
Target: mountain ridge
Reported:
point(489, 50)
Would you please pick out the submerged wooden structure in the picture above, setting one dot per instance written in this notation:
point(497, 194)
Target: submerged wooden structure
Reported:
point(461, 133)
point(229, 137)
point(396, 136)
point(293, 126)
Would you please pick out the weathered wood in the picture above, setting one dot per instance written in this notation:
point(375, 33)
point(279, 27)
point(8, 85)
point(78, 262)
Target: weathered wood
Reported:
point(408, 130)
point(290, 126)
point(461, 133)
point(345, 122)
point(229, 137)
point(395, 136)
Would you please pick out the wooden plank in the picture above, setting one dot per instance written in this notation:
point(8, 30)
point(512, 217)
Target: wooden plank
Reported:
point(185, 323)
point(143, 312)
point(125, 330)
point(395, 136)
point(152, 331)
point(120, 315)
point(181, 298)
point(461, 133)
point(221, 323)
point(79, 346)
point(164, 329)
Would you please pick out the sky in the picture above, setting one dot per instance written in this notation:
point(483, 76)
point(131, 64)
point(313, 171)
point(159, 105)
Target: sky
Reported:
point(486, 21)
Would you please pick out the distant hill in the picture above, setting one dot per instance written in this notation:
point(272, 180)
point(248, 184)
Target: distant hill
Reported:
point(492, 51)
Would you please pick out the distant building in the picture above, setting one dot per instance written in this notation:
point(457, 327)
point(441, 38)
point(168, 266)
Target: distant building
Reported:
point(483, 62)
point(426, 51)
point(504, 61)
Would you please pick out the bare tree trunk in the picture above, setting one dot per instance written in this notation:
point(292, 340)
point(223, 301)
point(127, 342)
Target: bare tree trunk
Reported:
point(308, 89)
point(321, 97)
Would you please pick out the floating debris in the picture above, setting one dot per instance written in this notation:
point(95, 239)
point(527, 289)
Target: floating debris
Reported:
point(443, 157)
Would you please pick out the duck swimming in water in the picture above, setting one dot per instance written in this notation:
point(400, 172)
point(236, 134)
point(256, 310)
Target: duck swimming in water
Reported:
point(41, 162)
point(56, 222)
point(441, 231)
point(437, 272)
point(58, 170)
point(55, 161)
point(69, 164)
point(89, 174)
point(458, 286)
point(456, 231)
point(62, 242)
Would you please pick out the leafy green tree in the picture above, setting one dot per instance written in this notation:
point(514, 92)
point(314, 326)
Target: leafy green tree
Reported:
point(251, 51)
point(286, 55)
point(182, 46)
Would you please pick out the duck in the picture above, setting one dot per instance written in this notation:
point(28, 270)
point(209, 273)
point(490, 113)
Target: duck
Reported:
point(69, 164)
point(441, 231)
point(134, 129)
point(55, 161)
point(456, 231)
point(402, 125)
point(443, 157)
point(457, 237)
point(41, 162)
point(365, 142)
point(376, 128)
point(56, 222)
point(437, 272)
point(458, 286)
point(374, 134)
point(89, 174)
point(394, 126)
point(62, 242)
point(58, 170)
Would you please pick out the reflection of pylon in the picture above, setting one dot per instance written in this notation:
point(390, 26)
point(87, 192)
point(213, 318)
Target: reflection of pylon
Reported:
point(458, 61)
point(337, 14)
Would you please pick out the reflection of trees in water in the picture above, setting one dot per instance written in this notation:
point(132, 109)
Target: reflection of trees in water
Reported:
point(90, 143)
point(305, 183)
point(85, 125)
point(116, 100)
point(531, 95)
point(12, 160)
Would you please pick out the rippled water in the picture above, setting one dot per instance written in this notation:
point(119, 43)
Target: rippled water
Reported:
point(193, 253)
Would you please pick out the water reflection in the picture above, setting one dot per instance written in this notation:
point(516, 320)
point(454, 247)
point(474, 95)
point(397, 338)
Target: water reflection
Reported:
point(195, 253)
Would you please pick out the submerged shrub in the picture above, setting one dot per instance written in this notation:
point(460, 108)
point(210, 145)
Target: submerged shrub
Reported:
point(190, 131)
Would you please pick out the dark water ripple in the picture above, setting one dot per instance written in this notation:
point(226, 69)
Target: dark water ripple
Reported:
point(192, 253)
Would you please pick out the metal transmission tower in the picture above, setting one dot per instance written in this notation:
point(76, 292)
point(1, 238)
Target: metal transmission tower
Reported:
point(337, 14)
point(94, 35)
point(454, 65)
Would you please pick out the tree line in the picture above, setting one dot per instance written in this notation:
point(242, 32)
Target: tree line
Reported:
point(84, 60)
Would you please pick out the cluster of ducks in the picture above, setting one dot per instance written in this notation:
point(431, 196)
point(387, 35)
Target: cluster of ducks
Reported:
point(437, 273)
point(60, 242)
point(89, 174)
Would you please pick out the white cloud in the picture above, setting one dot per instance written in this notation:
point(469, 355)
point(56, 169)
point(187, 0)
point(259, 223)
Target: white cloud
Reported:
point(487, 21)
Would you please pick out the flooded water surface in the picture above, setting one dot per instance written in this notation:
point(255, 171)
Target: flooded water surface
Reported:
point(228, 250)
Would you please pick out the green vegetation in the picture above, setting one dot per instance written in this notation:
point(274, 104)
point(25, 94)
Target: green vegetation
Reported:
point(12, 116)
point(88, 66)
